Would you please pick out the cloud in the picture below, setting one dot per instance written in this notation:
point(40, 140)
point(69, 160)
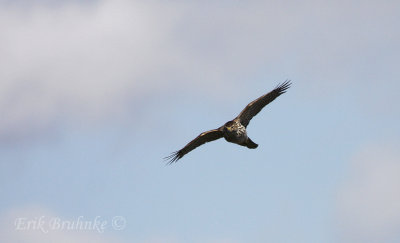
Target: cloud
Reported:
point(9, 232)
point(368, 202)
point(78, 62)
point(75, 62)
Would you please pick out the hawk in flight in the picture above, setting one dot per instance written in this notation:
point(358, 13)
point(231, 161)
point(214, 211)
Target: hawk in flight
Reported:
point(233, 131)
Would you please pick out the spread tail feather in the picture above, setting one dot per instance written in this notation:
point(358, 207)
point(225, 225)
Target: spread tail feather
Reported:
point(250, 144)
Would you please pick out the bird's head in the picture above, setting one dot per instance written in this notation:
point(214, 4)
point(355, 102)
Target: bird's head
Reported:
point(228, 125)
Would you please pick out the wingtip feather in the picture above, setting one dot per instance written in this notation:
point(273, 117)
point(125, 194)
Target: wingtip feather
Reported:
point(173, 157)
point(281, 88)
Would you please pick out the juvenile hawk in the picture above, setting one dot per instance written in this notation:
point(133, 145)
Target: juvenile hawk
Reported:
point(233, 131)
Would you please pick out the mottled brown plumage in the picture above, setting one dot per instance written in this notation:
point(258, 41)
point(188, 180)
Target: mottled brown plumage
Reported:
point(233, 131)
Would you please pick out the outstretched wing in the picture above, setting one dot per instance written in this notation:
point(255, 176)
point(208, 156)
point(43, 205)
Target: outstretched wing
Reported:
point(199, 140)
point(256, 106)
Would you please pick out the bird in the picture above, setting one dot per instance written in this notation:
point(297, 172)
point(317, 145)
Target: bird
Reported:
point(233, 131)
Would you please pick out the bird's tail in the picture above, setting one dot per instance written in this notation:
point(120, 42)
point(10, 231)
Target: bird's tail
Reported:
point(250, 144)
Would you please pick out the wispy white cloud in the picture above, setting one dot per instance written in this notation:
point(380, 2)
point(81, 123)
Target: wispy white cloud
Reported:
point(369, 209)
point(74, 61)
point(77, 61)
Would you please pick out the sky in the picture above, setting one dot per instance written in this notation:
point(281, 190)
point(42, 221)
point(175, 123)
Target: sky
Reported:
point(93, 95)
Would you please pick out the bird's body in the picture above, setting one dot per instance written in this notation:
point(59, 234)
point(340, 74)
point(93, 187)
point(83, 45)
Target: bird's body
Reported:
point(233, 131)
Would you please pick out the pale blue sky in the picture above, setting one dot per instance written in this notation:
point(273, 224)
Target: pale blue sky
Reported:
point(95, 94)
